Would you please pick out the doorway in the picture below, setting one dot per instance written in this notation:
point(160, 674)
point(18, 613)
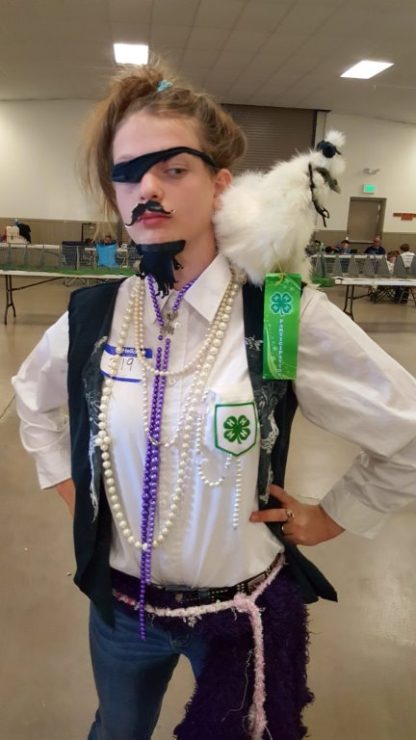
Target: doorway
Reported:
point(365, 218)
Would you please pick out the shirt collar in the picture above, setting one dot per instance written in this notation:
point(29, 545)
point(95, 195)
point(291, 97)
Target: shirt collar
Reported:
point(205, 295)
point(207, 292)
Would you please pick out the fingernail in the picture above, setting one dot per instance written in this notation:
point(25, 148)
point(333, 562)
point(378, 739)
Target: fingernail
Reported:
point(254, 517)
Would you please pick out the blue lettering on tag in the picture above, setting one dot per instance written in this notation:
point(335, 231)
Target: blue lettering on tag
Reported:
point(128, 351)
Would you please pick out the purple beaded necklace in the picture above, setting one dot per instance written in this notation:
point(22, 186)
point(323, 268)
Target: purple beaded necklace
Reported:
point(152, 458)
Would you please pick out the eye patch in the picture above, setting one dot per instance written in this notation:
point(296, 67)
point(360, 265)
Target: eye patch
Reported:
point(134, 169)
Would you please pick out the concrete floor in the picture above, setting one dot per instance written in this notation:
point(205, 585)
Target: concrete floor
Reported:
point(363, 650)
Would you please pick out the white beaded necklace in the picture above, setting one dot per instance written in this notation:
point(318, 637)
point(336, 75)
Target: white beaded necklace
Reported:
point(202, 365)
point(207, 352)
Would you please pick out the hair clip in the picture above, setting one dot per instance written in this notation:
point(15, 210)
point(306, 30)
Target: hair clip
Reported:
point(163, 85)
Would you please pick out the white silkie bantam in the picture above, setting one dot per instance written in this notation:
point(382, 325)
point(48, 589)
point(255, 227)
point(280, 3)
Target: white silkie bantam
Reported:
point(266, 219)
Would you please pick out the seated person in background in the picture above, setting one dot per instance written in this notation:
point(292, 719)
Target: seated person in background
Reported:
point(108, 239)
point(24, 230)
point(391, 258)
point(376, 247)
point(406, 254)
point(401, 295)
point(329, 250)
point(343, 248)
point(106, 250)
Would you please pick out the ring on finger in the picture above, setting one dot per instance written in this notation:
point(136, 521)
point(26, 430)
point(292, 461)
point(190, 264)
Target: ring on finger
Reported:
point(289, 514)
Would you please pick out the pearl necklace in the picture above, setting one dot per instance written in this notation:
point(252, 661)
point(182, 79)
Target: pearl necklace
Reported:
point(208, 352)
point(203, 369)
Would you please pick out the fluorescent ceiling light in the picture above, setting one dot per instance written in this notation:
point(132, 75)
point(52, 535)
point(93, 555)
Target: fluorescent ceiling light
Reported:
point(131, 53)
point(366, 69)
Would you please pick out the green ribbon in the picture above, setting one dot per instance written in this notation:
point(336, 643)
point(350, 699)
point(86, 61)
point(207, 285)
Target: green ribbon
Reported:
point(281, 326)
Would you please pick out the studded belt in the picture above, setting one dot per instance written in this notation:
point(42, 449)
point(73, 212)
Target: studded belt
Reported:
point(126, 590)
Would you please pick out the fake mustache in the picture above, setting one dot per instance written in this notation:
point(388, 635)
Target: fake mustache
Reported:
point(150, 205)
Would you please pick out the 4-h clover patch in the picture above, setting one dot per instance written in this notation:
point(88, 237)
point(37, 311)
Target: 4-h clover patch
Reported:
point(235, 427)
point(281, 303)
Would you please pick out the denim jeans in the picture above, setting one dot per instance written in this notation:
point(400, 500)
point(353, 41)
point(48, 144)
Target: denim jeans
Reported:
point(132, 675)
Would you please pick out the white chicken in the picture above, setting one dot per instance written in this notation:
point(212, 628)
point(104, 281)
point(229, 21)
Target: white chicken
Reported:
point(266, 219)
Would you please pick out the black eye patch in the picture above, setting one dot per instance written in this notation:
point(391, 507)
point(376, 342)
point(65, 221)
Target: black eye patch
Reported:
point(134, 169)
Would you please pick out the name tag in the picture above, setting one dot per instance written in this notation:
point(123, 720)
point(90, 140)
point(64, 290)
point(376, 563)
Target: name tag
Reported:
point(129, 369)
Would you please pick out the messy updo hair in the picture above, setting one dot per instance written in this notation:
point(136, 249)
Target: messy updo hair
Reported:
point(136, 89)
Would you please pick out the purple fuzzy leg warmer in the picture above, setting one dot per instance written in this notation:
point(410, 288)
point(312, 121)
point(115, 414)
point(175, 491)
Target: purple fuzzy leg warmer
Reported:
point(219, 707)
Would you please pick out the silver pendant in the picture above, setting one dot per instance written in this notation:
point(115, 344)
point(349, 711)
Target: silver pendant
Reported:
point(169, 326)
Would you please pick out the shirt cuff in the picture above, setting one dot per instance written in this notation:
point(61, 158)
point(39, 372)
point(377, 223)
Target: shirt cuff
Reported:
point(351, 514)
point(53, 468)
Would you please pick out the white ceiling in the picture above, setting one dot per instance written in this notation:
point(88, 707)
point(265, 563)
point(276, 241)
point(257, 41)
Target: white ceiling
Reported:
point(286, 53)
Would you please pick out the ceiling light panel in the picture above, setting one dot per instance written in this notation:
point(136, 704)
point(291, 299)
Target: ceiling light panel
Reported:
point(131, 53)
point(366, 69)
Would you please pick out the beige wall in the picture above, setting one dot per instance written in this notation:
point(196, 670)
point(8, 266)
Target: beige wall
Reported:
point(39, 147)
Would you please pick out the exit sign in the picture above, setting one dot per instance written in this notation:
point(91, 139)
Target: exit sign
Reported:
point(369, 189)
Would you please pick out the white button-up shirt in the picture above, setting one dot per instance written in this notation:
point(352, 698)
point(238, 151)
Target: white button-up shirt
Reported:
point(345, 384)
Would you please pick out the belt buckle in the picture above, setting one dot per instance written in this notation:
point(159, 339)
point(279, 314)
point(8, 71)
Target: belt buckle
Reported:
point(186, 593)
point(204, 593)
point(192, 594)
point(178, 592)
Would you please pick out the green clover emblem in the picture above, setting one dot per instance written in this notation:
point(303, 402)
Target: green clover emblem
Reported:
point(281, 303)
point(237, 429)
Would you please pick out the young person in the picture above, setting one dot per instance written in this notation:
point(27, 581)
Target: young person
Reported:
point(174, 461)
point(344, 247)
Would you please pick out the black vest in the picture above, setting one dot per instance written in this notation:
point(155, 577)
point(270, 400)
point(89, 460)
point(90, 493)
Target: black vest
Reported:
point(90, 315)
